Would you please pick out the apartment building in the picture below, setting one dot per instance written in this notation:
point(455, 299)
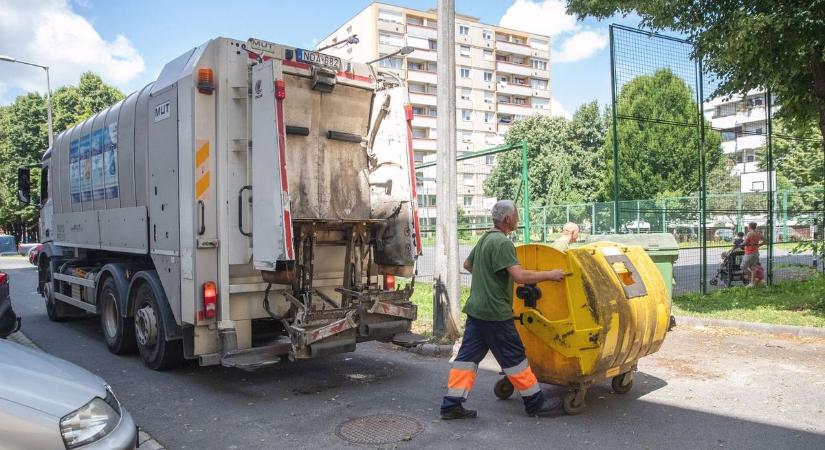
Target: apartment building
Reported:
point(502, 75)
point(742, 121)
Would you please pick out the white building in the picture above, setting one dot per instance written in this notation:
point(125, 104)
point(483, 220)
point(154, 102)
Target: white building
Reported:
point(742, 121)
point(501, 75)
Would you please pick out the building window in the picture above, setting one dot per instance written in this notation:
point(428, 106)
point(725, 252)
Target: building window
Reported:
point(725, 110)
point(412, 20)
point(432, 111)
point(488, 76)
point(538, 84)
point(433, 44)
point(539, 64)
point(488, 55)
point(488, 97)
point(504, 99)
point(728, 135)
point(487, 35)
point(391, 39)
point(390, 63)
point(417, 88)
point(466, 115)
point(758, 186)
point(420, 133)
point(413, 65)
point(468, 200)
point(538, 44)
point(540, 103)
point(464, 50)
point(758, 130)
point(517, 60)
point(505, 120)
point(418, 111)
point(465, 93)
point(488, 117)
point(417, 42)
point(463, 30)
point(465, 72)
point(419, 157)
point(468, 178)
point(490, 139)
point(520, 81)
point(386, 15)
point(490, 159)
point(466, 136)
point(432, 67)
point(751, 158)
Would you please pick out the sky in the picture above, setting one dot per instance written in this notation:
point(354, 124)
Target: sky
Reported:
point(128, 42)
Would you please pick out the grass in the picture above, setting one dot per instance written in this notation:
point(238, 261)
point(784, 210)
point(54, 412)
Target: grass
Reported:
point(786, 303)
point(423, 298)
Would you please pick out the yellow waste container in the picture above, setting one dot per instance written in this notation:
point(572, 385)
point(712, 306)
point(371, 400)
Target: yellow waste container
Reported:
point(611, 310)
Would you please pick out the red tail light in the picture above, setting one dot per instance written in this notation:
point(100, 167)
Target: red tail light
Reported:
point(280, 89)
point(389, 282)
point(3, 278)
point(210, 299)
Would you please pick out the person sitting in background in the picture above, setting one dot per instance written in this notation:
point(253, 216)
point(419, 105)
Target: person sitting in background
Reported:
point(739, 241)
point(569, 234)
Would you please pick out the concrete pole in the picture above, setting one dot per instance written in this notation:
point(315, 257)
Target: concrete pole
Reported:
point(446, 234)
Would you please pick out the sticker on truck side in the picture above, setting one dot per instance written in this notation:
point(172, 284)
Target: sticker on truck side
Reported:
point(162, 111)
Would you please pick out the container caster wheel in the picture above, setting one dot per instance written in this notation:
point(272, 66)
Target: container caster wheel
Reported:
point(573, 403)
point(622, 384)
point(503, 389)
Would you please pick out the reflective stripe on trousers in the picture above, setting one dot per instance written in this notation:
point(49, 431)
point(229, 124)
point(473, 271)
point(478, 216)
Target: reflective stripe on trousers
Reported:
point(523, 379)
point(462, 378)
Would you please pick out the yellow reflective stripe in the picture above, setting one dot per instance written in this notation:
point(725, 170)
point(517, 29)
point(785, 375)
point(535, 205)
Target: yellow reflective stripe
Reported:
point(202, 154)
point(202, 185)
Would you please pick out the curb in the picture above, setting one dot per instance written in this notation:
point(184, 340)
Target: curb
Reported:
point(752, 326)
point(145, 440)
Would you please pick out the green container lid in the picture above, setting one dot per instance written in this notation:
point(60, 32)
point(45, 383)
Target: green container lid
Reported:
point(656, 244)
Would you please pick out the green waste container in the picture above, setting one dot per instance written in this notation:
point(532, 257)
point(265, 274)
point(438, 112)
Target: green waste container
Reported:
point(662, 248)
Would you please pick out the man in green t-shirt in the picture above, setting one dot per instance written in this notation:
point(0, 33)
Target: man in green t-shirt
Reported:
point(490, 325)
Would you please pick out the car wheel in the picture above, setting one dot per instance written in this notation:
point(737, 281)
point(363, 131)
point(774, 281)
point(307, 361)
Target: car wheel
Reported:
point(157, 352)
point(118, 331)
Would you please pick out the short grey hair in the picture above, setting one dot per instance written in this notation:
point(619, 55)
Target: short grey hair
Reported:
point(502, 209)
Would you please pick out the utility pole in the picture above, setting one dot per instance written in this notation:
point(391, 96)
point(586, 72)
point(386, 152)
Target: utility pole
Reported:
point(446, 234)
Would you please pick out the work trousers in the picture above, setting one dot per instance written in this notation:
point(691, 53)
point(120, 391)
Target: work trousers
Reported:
point(503, 340)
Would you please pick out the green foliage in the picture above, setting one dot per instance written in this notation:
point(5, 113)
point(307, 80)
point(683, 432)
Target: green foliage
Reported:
point(746, 44)
point(662, 157)
point(24, 138)
point(564, 158)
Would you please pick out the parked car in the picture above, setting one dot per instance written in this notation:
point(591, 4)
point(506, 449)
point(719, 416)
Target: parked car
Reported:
point(9, 322)
point(34, 253)
point(8, 245)
point(49, 403)
point(24, 248)
point(723, 234)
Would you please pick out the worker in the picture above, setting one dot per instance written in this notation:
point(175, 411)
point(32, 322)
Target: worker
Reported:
point(569, 235)
point(490, 326)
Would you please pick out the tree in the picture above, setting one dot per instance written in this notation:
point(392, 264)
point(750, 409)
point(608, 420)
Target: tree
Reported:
point(24, 138)
point(588, 130)
point(746, 44)
point(659, 151)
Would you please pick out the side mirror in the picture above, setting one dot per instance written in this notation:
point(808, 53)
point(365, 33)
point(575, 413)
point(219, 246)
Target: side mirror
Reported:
point(24, 185)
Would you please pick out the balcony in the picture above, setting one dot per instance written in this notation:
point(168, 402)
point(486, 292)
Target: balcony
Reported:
point(515, 89)
point(417, 98)
point(422, 77)
point(518, 49)
point(514, 68)
point(541, 93)
point(386, 49)
point(395, 27)
point(424, 144)
point(512, 108)
point(424, 54)
point(424, 121)
point(422, 31)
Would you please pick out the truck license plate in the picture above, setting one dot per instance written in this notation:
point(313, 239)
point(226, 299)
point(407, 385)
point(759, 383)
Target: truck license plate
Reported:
point(318, 59)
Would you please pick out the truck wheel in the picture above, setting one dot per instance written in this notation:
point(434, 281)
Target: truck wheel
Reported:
point(156, 351)
point(57, 310)
point(118, 331)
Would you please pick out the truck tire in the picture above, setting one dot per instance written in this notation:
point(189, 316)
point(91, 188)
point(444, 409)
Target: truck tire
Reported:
point(118, 331)
point(157, 352)
point(57, 310)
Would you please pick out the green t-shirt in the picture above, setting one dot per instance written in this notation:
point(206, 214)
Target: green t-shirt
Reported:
point(491, 289)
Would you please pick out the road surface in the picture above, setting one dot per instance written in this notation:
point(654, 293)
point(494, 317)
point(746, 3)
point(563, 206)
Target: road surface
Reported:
point(704, 389)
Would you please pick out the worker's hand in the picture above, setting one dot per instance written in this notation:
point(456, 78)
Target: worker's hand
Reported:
point(554, 275)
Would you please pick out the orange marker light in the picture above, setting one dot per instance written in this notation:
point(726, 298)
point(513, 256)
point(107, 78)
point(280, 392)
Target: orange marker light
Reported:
point(205, 81)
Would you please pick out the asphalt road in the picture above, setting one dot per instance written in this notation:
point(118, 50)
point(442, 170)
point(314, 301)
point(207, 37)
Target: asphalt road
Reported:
point(704, 389)
point(686, 270)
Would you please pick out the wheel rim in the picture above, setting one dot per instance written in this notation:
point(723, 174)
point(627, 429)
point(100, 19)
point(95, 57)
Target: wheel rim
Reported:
point(109, 315)
point(146, 326)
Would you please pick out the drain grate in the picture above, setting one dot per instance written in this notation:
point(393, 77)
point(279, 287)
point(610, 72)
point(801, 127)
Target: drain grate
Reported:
point(378, 429)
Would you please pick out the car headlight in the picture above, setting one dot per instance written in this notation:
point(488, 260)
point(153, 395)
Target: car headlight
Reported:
point(91, 422)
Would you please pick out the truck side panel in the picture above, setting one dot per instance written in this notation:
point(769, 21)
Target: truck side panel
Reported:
point(141, 145)
point(126, 151)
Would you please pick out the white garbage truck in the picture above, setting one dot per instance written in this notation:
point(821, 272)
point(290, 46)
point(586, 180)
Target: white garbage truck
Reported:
point(254, 203)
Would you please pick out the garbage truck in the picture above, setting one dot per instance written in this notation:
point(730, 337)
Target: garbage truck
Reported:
point(252, 204)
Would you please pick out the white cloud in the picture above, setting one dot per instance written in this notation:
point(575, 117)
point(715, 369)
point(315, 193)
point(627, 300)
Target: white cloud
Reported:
point(580, 46)
point(48, 32)
point(557, 109)
point(572, 40)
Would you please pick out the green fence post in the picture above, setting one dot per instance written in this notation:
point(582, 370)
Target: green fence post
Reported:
point(770, 187)
point(664, 215)
point(544, 224)
point(784, 215)
point(593, 218)
point(526, 192)
point(739, 210)
point(615, 133)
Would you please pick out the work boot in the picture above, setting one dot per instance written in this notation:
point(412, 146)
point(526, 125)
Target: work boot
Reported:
point(550, 408)
point(458, 412)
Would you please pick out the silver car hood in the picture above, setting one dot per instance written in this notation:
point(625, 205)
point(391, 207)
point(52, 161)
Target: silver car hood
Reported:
point(44, 382)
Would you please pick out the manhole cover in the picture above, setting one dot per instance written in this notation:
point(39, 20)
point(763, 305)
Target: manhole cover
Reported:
point(378, 429)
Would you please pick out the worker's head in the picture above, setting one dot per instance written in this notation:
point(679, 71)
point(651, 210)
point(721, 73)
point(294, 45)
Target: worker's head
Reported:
point(571, 230)
point(752, 226)
point(505, 215)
